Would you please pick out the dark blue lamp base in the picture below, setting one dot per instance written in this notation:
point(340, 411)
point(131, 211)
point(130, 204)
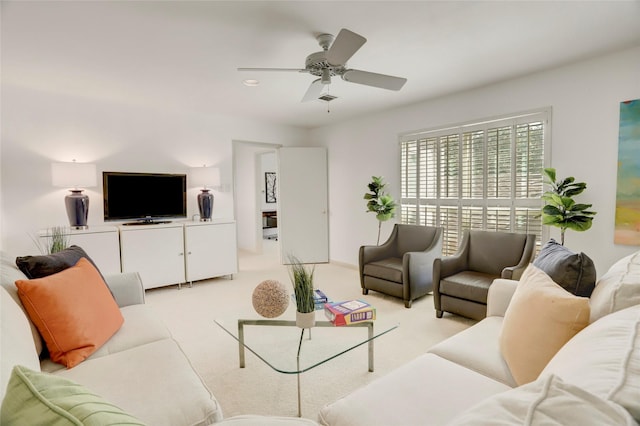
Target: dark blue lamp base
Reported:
point(77, 209)
point(205, 205)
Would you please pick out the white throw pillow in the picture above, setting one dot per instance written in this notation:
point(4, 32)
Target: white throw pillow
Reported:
point(604, 359)
point(548, 402)
point(618, 288)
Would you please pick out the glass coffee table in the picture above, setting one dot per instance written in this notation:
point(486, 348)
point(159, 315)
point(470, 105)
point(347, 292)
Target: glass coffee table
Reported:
point(288, 349)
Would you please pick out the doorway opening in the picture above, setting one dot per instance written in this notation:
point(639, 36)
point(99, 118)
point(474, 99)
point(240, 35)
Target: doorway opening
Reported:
point(255, 197)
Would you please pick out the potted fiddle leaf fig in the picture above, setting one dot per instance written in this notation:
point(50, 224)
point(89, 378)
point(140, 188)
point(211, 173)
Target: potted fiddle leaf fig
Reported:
point(379, 202)
point(560, 209)
point(302, 280)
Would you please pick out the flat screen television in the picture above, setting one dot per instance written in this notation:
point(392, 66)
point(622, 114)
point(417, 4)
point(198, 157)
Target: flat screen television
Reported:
point(144, 197)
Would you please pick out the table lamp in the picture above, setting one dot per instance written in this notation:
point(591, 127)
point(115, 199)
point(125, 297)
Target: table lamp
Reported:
point(75, 176)
point(205, 177)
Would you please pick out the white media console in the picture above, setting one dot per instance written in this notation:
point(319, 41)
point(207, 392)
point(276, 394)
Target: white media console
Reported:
point(163, 254)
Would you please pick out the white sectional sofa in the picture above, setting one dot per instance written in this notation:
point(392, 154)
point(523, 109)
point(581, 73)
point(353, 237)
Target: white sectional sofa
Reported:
point(141, 369)
point(593, 379)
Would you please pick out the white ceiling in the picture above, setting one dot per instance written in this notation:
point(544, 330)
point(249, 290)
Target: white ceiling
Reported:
point(183, 55)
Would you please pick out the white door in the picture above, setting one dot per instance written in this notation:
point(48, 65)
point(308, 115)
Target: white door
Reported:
point(303, 229)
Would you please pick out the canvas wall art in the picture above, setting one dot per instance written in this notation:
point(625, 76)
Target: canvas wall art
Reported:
point(627, 225)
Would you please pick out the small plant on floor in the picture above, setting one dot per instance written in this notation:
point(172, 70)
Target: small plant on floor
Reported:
point(302, 280)
point(560, 209)
point(379, 202)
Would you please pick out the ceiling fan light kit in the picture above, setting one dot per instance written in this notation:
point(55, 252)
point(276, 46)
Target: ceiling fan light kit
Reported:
point(332, 61)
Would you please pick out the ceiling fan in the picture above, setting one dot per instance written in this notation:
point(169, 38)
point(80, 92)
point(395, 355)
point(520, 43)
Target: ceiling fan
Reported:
point(332, 61)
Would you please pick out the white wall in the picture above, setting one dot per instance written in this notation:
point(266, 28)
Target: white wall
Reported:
point(42, 127)
point(585, 99)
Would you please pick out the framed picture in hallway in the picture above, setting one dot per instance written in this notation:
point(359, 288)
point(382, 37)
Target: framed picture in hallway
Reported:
point(270, 187)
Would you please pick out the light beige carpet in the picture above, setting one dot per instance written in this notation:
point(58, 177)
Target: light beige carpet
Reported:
point(257, 389)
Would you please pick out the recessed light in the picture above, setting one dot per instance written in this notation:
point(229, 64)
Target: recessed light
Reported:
point(250, 82)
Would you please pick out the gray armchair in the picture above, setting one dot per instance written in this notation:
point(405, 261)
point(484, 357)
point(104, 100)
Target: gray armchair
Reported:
point(403, 265)
point(461, 282)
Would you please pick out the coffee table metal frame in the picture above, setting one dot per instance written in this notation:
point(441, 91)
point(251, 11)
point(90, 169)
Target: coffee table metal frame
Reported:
point(289, 323)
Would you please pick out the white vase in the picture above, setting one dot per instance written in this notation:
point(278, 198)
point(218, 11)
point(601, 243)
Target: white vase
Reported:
point(305, 319)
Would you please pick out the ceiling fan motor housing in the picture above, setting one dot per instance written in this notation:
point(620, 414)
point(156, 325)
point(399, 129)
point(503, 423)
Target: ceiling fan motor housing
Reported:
point(317, 62)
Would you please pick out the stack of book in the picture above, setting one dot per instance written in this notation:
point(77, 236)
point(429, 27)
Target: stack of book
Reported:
point(349, 312)
point(319, 298)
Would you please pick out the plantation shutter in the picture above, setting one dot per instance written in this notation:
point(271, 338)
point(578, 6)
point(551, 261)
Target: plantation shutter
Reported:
point(483, 175)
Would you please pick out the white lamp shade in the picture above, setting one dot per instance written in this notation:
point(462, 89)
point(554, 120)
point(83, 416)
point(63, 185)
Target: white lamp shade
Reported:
point(73, 175)
point(205, 176)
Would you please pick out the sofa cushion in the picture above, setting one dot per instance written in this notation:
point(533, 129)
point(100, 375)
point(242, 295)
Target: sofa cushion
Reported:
point(141, 326)
point(9, 274)
point(618, 288)
point(604, 359)
point(546, 401)
point(35, 398)
point(540, 319)
point(154, 382)
point(575, 272)
point(405, 395)
point(73, 310)
point(16, 343)
point(254, 420)
point(485, 358)
point(48, 264)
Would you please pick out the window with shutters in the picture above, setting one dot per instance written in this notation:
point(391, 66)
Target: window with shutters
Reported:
point(485, 175)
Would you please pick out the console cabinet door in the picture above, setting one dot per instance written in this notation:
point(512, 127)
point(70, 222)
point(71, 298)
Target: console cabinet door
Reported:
point(156, 252)
point(211, 250)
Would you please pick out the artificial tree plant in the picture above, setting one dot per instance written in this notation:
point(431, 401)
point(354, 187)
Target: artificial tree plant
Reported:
point(379, 202)
point(560, 209)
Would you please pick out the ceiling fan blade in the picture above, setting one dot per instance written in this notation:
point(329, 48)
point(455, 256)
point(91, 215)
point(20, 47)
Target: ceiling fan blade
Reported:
point(373, 79)
point(314, 91)
point(344, 46)
point(273, 69)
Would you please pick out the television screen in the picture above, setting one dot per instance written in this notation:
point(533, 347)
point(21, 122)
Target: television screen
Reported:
point(144, 196)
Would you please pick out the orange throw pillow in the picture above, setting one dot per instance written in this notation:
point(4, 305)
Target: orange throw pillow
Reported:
point(73, 310)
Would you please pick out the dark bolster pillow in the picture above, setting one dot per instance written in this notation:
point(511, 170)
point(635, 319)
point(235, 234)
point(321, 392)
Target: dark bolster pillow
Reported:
point(49, 264)
point(575, 272)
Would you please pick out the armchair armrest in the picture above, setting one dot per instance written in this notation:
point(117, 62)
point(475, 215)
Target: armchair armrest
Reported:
point(515, 272)
point(451, 265)
point(420, 268)
point(500, 293)
point(127, 288)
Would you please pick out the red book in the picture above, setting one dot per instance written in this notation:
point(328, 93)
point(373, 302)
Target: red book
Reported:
point(349, 312)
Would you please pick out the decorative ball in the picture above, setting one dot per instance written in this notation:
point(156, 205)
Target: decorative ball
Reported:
point(270, 298)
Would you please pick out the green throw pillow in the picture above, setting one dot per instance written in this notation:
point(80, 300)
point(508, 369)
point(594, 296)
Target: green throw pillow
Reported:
point(35, 398)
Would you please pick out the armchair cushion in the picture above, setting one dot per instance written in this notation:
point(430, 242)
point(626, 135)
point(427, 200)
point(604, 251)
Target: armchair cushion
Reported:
point(490, 252)
point(468, 285)
point(387, 269)
point(575, 272)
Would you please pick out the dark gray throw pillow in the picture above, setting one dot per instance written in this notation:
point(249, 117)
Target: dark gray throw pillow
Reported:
point(49, 264)
point(575, 272)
